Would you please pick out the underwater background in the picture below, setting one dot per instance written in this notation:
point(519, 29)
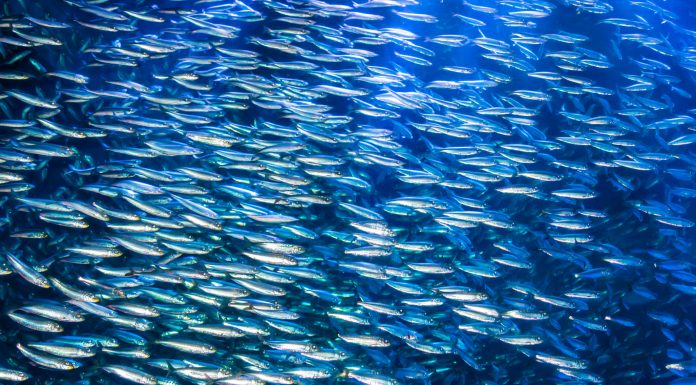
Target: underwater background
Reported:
point(377, 192)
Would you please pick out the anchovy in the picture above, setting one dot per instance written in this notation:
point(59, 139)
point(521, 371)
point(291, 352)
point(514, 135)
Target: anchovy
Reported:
point(376, 192)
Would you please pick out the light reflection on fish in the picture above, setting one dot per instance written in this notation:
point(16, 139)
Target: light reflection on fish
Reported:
point(385, 192)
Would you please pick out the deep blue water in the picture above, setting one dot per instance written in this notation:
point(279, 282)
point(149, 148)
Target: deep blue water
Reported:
point(538, 229)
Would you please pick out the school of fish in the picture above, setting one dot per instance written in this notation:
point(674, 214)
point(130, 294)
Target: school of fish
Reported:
point(377, 192)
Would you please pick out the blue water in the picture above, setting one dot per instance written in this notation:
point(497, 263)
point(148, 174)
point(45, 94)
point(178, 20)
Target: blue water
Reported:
point(526, 217)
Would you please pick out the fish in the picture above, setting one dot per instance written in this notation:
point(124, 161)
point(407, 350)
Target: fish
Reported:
point(375, 192)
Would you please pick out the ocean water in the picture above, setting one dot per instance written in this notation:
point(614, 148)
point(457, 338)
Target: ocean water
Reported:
point(378, 192)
